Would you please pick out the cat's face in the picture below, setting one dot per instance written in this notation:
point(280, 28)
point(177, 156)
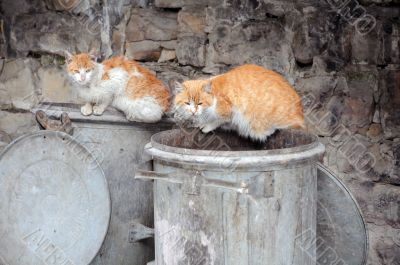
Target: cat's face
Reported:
point(80, 68)
point(192, 98)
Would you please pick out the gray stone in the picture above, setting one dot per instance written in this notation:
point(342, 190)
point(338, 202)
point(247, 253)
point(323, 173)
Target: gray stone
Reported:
point(343, 165)
point(119, 33)
point(18, 87)
point(192, 21)
point(233, 13)
point(17, 7)
point(322, 108)
point(384, 245)
point(150, 24)
point(146, 50)
point(308, 38)
point(72, 6)
point(389, 49)
point(356, 113)
point(3, 41)
point(302, 49)
point(365, 48)
point(375, 132)
point(376, 118)
point(54, 33)
point(385, 208)
point(276, 8)
point(381, 165)
point(383, 11)
point(47, 59)
point(17, 124)
point(359, 104)
point(55, 86)
point(5, 98)
point(379, 2)
point(317, 33)
point(389, 102)
point(167, 55)
point(182, 3)
point(169, 3)
point(170, 44)
point(321, 87)
point(169, 77)
point(394, 174)
point(171, 71)
point(170, 67)
point(231, 45)
point(191, 51)
point(192, 38)
point(5, 139)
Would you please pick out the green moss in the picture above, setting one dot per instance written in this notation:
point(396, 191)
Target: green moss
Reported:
point(59, 60)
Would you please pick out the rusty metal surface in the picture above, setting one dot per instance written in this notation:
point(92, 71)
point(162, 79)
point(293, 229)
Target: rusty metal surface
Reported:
point(54, 200)
point(341, 228)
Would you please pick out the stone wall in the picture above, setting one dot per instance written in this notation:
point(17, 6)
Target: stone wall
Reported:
point(344, 60)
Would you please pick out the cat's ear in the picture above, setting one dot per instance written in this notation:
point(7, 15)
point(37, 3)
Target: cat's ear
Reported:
point(207, 87)
point(94, 55)
point(177, 87)
point(68, 56)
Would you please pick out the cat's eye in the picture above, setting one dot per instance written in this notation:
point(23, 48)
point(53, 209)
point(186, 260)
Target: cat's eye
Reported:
point(187, 103)
point(200, 103)
point(88, 70)
point(76, 71)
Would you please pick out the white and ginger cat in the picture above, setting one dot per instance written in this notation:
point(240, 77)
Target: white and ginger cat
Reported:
point(249, 99)
point(119, 82)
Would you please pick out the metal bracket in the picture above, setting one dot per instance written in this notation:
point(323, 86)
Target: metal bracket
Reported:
point(138, 232)
point(192, 185)
point(262, 185)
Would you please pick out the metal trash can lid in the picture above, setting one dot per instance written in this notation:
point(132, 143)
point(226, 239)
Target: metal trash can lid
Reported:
point(54, 201)
point(341, 231)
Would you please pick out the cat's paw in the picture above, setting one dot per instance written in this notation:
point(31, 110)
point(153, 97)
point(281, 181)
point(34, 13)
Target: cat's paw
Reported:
point(98, 110)
point(207, 128)
point(87, 110)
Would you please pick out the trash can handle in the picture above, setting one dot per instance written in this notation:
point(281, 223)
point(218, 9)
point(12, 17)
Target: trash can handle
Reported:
point(191, 182)
point(152, 175)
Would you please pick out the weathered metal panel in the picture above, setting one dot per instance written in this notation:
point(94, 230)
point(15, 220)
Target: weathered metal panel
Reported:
point(340, 236)
point(220, 223)
point(341, 229)
point(54, 201)
point(118, 146)
point(119, 149)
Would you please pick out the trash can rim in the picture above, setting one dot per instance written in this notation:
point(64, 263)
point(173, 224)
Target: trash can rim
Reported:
point(196, 152)
point(236, 160)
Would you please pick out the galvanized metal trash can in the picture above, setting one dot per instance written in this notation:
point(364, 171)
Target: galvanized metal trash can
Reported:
point(54, 201)
point(220, 199)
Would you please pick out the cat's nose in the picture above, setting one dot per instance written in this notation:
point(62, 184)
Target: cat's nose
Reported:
point(83, 78)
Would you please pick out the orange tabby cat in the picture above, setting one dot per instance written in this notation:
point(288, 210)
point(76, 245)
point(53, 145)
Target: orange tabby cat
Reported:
point(121, 83)
point(249, 99)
